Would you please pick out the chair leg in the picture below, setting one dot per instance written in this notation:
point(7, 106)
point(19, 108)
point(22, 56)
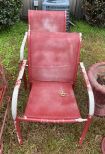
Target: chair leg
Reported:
point(18, 131)
point(86, 127)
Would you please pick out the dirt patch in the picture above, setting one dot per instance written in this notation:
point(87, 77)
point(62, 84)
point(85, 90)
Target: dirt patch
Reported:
point(101, 79)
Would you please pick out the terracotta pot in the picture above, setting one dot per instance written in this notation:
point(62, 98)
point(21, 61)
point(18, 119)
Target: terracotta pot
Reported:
point(103, 146)
point(98, 89)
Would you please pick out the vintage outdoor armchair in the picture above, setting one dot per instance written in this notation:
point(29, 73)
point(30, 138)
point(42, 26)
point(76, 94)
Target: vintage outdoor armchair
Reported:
point(53, 60)
point(3, 89)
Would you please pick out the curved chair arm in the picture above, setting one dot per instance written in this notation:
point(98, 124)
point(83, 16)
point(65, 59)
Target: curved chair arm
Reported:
point(89, 89)
point(23, 46)
point(80, 34)
point(16, 89)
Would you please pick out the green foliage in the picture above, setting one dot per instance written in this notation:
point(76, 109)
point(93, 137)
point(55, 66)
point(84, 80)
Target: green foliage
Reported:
point(95, 12)
point(9, 12)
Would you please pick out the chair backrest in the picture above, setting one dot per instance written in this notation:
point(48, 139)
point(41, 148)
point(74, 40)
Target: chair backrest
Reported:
point(53, 56)
point(49, 21)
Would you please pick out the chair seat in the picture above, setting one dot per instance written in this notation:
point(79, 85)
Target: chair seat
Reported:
point(52, 100)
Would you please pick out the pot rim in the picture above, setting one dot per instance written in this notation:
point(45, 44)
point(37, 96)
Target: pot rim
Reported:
point(93, 80)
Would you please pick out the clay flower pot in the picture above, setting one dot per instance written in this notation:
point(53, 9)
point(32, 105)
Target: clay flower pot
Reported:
point(95, 72)
point(103, 146)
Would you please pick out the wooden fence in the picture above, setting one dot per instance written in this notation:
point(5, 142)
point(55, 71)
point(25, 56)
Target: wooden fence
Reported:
point(76, 8)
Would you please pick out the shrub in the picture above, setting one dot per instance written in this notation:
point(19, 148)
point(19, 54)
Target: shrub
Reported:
point(9, 12)
point(94, 11)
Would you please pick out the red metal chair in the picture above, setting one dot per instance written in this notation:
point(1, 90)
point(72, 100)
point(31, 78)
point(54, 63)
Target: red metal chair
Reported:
point(53, 60)
point(3, 89)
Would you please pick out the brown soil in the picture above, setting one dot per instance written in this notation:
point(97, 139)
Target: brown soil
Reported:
point(101, 79)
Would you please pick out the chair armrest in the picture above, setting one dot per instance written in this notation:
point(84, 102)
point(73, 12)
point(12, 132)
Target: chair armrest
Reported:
point(80, 34)
point(89, 89)
point(23, 46)
point(16, 89)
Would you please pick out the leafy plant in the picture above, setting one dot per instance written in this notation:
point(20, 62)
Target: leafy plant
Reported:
point(94, 11)
point(9, 12)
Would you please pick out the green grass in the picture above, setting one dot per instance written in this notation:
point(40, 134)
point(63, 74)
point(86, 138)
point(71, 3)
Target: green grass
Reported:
point(53, 138)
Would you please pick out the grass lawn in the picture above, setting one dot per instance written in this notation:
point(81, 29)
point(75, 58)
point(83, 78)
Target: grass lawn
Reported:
point(53, 138)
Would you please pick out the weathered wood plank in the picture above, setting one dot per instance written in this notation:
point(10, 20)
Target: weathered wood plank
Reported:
point(76, 8)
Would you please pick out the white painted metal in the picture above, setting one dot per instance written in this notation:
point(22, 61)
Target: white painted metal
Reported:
point(80, 120)
point(16, 90)
point(80, 37)
point(21, 72)
point(23, 46)
point(89, 89)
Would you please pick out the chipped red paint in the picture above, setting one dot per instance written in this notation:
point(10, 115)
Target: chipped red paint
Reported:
point(22, 66)
point(86, 79)
point(86, 127)
point(91, 104)
point(18, 82)
point(17, 127)
point(16, 88)
point(49, 72)
point(51, 120)
point(89, 89)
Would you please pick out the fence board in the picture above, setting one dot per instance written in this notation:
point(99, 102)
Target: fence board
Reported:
point(76, 8)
